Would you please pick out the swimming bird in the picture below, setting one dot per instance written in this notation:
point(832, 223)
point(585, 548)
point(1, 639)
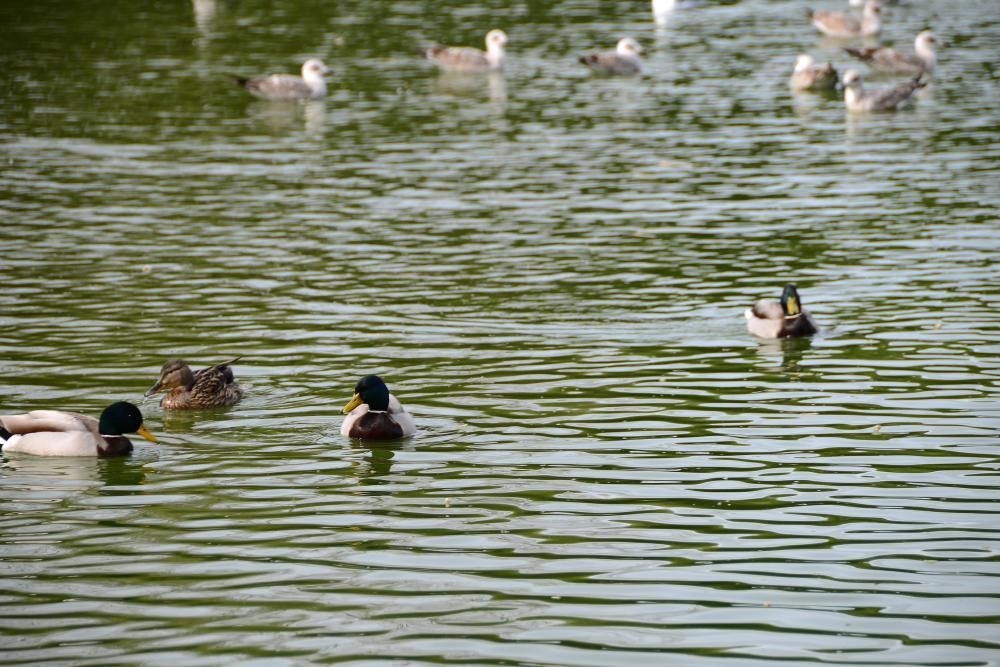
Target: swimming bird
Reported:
point(57, 433)
point(836, 24)
point(375, 414)
point(780, 319)
point(890, 98)
point(810, 76)
point(884, 59)
point(469, 59)
point(623, 60)
point(311, 85)
point(211, 387)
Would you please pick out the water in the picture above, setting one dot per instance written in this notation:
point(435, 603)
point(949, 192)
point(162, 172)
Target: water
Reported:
point(550, 271)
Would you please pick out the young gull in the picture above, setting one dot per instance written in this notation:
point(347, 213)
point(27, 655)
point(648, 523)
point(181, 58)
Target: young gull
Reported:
point(836, 24)
point(892, 61)
point(310, 85)
point(623, 60)
point(810, 76)
point(469, 59)
point(890, 98)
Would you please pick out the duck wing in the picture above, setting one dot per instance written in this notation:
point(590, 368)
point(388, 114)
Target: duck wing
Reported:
point(49, 421)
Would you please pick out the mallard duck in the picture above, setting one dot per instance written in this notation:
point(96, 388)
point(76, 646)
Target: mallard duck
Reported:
point(836, 24)
point(211, 387)
point(810, 76)
point(57, 433)
point(375, 414)
point(469, 59)
point(881, 58)
point(784, 319)
point(623, 60)
point(889, 98)
point(311, 85)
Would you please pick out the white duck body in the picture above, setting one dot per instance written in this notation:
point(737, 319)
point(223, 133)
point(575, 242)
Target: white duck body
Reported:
point(52, 433)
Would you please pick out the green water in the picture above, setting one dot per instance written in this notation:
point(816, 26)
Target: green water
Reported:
point(550, 272)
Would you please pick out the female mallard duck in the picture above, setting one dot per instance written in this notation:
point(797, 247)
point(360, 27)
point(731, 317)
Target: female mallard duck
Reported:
point(784, 319)
point(212, 387)
point(56, 433)
point(375, 414)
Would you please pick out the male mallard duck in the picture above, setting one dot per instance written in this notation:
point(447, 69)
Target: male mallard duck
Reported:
point(56, 433)
point(784, 319)
point(211, 387)
point(623, 60)
point(375, 414)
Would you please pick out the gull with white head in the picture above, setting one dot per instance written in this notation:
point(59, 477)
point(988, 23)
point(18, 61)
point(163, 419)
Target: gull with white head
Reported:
point(837, 24)
point(469, 59)
point(311, 85)
point(623, 60)
point(810, 76)
point(890, 98)
point(883, 59)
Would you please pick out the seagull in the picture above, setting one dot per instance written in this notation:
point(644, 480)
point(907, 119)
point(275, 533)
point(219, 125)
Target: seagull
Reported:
point(810, 76)
point(623, 60)
point(310, 85)
point(468, 59)
point(835, 24)
point(892, 61)
point(858, 100)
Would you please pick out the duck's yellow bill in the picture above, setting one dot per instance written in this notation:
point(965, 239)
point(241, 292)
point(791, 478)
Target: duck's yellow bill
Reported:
point(353, 403)
point(144, 432)
point(793, 305)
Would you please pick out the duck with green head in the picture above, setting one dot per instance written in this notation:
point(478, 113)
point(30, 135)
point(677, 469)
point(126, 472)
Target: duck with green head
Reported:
point(211, 387)
point(781, 319)
point(57, 433)
point(375, 414)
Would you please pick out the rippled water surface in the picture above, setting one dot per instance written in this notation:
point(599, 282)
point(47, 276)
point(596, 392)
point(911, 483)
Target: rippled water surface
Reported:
point(550, 271)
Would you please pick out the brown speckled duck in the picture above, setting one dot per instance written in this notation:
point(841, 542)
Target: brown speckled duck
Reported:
point(211, 387)
point(375, 414)
point(784, 319)
point(57, 433)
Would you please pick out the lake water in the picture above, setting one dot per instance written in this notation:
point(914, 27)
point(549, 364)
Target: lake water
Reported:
point(550, 271)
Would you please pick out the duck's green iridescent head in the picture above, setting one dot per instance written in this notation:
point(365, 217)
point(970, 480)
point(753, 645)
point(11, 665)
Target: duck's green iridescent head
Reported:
point(370, 390)
point(790, 303)
point(122, 417)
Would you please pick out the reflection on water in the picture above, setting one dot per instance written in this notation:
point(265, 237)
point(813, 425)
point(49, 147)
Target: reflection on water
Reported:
point(550, 269)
